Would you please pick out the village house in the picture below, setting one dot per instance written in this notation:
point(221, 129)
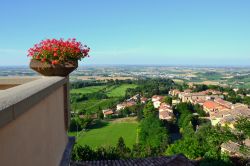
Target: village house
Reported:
point(198, 101)
point(225, 93)
point(231, 148)
point(188, 96)
point(212, 92)
point(144, 100)
point(120, 106)
point(239, 106)
point(247, 142)
point(157, 100)
point(210, 106)
point(228, 120)
point(107, 112)
point(220, 112)
point(241, 112)
point(175, 102)
point(236, 89)
point(166, 115)
point(174, 92)
point(157, 104)
point(187, 91)
point(165, 112)
point(124, 105)
point(224, 103)
point(216, 116)
point(134, 98)
point(92, 116)
point(130, 103)
point(165, 107)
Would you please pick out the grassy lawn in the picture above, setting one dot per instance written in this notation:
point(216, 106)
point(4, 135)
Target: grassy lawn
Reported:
point(108, 134)
point(120, 90)
point(86, 90)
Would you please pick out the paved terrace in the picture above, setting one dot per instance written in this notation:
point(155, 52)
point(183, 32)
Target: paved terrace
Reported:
point(34, 118)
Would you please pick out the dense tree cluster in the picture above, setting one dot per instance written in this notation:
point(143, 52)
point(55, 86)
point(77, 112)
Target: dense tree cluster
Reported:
point(77, 123)
point(150, 87)
point(243, 125)
point(81, 84)
point(121, 151)
point(204, 143)
point(78, 97)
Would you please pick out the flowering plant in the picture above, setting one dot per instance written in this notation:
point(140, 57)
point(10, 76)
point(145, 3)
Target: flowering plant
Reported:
point(55, 51)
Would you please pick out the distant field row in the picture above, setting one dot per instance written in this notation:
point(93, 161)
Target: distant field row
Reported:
point(103, 78)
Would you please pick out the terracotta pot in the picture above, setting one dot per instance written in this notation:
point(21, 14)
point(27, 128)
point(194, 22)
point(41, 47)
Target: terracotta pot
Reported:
point(53, 70)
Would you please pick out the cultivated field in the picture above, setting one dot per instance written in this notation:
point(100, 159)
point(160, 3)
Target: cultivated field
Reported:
point(86, 90)
point(120, 90)
point(93, 105)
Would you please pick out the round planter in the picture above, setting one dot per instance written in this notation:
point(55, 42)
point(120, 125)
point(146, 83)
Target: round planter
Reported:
point(53, 70)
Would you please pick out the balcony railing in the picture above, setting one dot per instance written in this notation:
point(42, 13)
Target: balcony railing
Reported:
point(34, 118)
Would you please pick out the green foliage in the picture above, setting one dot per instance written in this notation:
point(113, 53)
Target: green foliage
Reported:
point(120, 91)
point(149, 109)
point(78, 123)
point(83, 84)
point(85, 153)
point(200, 87)
point(197, 108)
point(204, 143)
point(152, 133)
point(77, 98)
point(246, 100)
point(86, 90)
point(243, 125)
point(189, 146)
point(168, 100)
point(223, 160)
point(121, 149)
point(184, 113)
point(93, 105)
point(150, 87)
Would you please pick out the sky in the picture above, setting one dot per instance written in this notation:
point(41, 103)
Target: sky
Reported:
point(151, 32)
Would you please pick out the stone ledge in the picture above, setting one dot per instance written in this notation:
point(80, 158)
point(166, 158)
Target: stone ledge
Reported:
point(18, 80)
point(15, 101)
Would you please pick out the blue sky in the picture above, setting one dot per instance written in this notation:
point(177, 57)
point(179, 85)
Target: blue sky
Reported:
point(179, 32)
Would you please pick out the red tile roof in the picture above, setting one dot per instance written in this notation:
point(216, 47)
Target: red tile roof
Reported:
point(108, 112)
point(210, 105)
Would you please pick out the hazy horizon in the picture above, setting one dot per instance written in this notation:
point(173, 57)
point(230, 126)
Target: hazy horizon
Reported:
point(145, 65)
